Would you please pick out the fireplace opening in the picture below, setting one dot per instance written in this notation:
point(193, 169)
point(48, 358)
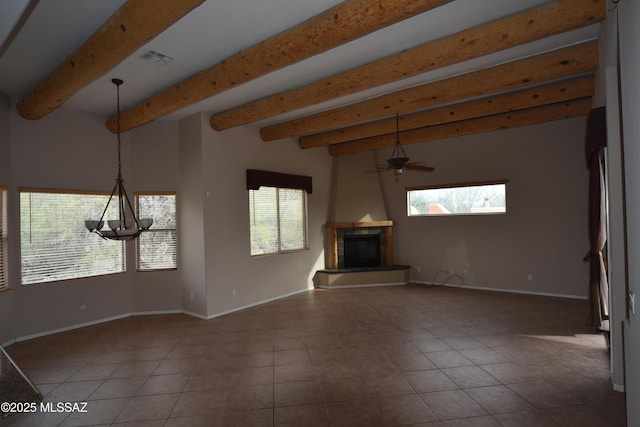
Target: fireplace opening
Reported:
point(362, 250)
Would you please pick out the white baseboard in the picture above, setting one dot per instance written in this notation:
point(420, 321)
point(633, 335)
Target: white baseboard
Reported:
point(233, 310)
point(212, 316)
point(8, 343)
point(196, 315)
point(145, 313)
point(618, 387)
point(91, 323)
point(156, 312)
point(510, 291)
point(72, 327)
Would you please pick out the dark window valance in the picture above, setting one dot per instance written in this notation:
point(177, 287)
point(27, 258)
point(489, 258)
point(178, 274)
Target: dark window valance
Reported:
point(257, 178)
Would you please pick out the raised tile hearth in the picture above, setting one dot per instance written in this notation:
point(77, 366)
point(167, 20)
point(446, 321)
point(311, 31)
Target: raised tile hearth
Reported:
point(361, 277)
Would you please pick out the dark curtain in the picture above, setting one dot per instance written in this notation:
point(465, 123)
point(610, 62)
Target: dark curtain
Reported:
point(595, 142)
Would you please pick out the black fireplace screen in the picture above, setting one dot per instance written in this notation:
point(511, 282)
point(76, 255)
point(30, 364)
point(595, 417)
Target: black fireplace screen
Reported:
point(362, 250)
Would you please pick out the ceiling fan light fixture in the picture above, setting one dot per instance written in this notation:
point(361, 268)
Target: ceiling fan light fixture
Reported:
point(397, 162)
point(398, 157)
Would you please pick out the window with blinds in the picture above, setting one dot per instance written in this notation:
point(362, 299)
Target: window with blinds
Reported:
point(4, 280)
point(54, 243)
point(278, 220)
point(157, 247)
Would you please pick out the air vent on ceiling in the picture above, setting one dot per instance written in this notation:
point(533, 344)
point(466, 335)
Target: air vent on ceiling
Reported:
point(157, 57)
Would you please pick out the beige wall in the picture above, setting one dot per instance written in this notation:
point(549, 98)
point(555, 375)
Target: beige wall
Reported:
point(356, 192)
point(73, 150)
point(544, 233)
point(65, 150)
point(155, 149)
point(191, 249)
point(229, 267)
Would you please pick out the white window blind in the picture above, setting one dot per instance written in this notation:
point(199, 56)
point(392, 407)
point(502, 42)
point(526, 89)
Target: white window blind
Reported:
point(4, 280)
point(157, 247)
point(54, 243)
point(278, 220)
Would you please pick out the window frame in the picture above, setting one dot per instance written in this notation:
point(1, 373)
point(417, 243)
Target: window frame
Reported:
point(4, 240)
point(122, 256)
point(408, 191)
point(156, 230)
point(305, 219)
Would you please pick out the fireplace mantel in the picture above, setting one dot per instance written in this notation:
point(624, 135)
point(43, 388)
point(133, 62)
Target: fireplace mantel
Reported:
point(336, 225)
point(387, 225)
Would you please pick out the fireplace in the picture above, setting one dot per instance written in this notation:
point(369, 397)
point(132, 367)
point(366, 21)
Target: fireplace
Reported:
point(361, 250)
point(372, 240)
point(360, 254)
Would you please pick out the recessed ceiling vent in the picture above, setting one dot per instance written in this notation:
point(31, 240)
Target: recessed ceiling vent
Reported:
point(157, 57)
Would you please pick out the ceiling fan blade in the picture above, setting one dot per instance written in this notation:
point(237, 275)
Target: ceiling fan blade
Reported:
point(419, 166)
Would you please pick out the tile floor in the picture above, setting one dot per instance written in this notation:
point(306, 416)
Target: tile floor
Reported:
point(409, 355)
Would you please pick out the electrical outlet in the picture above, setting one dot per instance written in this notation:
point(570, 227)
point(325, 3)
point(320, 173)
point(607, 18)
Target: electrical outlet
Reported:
point(530, 277)
point(83, 306)
point(632, 303)
point(233, 292)
point(465, 273)
point(418, 269)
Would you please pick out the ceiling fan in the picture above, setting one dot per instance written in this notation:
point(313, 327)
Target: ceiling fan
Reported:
point(399, 161)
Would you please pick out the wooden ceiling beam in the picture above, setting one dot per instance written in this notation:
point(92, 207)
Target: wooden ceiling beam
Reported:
point(133, 25)
point(532, 24)
point(567, 90)
point(530, 116)
point(556, 64)
point(342, 23)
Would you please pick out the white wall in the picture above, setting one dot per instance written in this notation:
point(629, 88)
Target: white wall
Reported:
point(544, 233)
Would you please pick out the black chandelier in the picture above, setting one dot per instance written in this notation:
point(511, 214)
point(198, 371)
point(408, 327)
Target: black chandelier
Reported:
point(127, 226)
